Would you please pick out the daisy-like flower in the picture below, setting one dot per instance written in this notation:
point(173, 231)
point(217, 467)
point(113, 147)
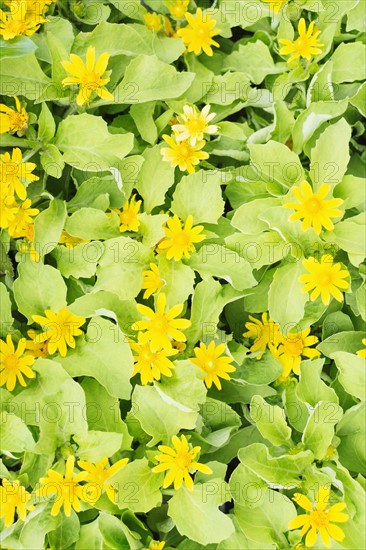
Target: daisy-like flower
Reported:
point(66, 488)
point(16, 21)
point(69, 241)
point(183, 154)
point(14, 173)
point(198, 34)
point(152, 282)
point(324, 278)
point(23, 217)
point(292, 348)
point(306, 45)
point(13, 120)
point(90, 76)
point(275, 5)
point(14, 498)
point(213, 363)
point(362, 352)
point(153, 21)
point(160, 326)
point(156, 545)
point(34, 347)
point(177, 8)
point(179, 461)
point(152, 364)
point(14, 364)
point(314, 209)
point(129, 215)
point(180, 239)
point(318, 518)
point(8, 210)
point(60, 330)
point(265, 332)
point(194, 124)
point(98, 475)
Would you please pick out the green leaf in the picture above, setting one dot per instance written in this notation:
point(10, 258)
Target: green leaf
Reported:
point(246, 219)
point(350, 235)
point(17, 47)
point(352, 373)
point(138, 487)
point(79, 261)
point(148, 79)
point(265, 371)
point(76, 139)
point(96, 357)
point(264, 248)
point(143, 118)
point(96, 445)
point(92, 188)
point(121, 266)
point(330, 156)
point(196, 514)
point(286, 302)
point(311, 389)
point(14, 434)
point(38, 287)
point(48, 226)
point(46, 124)
point(349, 341)
point(91, 223)
point(351, 190)
point(351, 430)
point(178, 279)
point(66, 533)
point(154, 178)
point(359, 100)
point(270, 421)
point(246, 488)
point(199, 195)
point(319, 430)
point(6, 318)
point(113, 532)
point(51, 160)
point(255, 60)
point(348, 62)
point(23, 77)
point(217, 260)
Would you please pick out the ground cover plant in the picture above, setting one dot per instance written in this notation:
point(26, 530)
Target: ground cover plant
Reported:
point(182, 353)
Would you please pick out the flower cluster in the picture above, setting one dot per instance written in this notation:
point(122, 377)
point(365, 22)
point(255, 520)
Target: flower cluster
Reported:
point(23, 17)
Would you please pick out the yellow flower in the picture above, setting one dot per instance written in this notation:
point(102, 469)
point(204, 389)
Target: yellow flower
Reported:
point(14, 173)
point(153, 21)
point(129, 215)
point(198, 34)
point(13, 365)
point(306, 45)
point(362, 352)
point(60, 330)
point(209, 361)
point(152, 364)
point(193, 124)
point(177, 8)
point(34, 347)
point(179, 240)
point(292, 347)
point(265, 332)
point(160, 325)
point(23, 217)
point(275, 5)
point(319, 519)
point(323, 278)
point(13, 120)
point(313, 209)
point(180, 463)
point(98, 475)
point(8, 210)
point(156, 545)
point(66, 488)
point(16, 22)
point(183, 154)
point(69, 241)
point(179, 346)
point(14, 498)
point(28, 247)
point(88, 76)
point(151, 281)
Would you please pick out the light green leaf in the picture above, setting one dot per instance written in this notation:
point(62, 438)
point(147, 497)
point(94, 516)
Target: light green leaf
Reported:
point(96, 445)
point(48, 226)
point(352, 191)
point(178, 279)
point(264, 248)
point(319, 430)
point(350, 235)
point(196, 512)
point(359, 100)
point(66, 533)
point(154, 178)
point(46, 124)
point(199, 195)
point(79, 261)
point(91, 223)
point(270, 421)
point(104, 355)
point(6, 318)
point(348, 62)
point(14, 435)
point(25, 74)
point(352, 373)
point(286, 302)
point(254, 59)
point(311, 389)
point(246, 219)
point(17, 47)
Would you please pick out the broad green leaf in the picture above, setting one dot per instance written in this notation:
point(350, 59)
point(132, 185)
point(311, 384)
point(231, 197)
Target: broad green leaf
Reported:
point(351, 430)
point(178, 279)
point(14, 434)
point(79, 261)
point(148, 79)
point(196, 513)
point(46, 124)
point(350, 235)
point(311, 389)
point(254, 59)
point(17, 47)
point(264, 248)
point(321, 87)
point(121, 266)
point(96, 445)
point(91, 223)
point(154, 178)
point(48, 226)
point(199, 195)
point(105, 355)
point(38, 287)
point(348, 62)
point(319, 430)
point(92, 188)
point(138, 487)
point(265, 371)
point(246, 488)
point(352, 373)
point(270, 421)
point(239, 540)
point(217, 260)
point(23, 77)
point(6, 318)
point(348, 341)
point(359, 100)
point(246, 219)
point(113, 532)
point(330, 156)
point(90, 537)
point(352, 191)
point(52, 161)
point(286, 301)
point(76, 139)
point(142, 115)
point(66, 533)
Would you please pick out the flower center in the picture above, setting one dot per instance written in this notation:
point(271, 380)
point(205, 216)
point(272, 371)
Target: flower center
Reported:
point(319, 519)
point(303, 44)
point(196, 126)
point(185, 151)
point(314, 205)
point(183, 461)
point(294, 347)
point(91, 80)
point(183, 239)
point(16, 27)
point(11, 362)
point(324, 279)
point(127, 217)
point(161, 323)
point(209, 366)
point(18, 121)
